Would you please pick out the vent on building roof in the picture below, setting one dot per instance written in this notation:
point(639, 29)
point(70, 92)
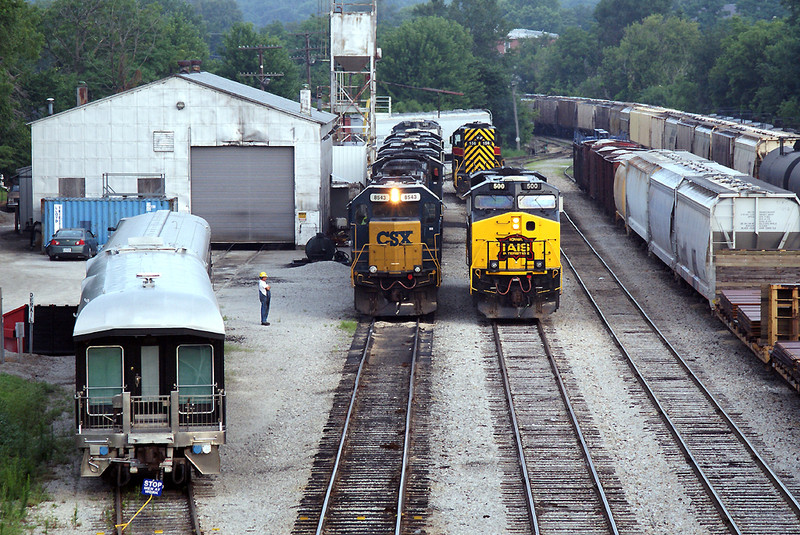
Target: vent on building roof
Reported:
point(184, 66)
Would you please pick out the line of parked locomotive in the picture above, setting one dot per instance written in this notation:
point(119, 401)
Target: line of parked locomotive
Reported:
point(149, 349)
point(513, 230)
point(396, 225)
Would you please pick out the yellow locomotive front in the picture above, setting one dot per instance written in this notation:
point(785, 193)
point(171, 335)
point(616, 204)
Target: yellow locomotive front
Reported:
point(513, 244)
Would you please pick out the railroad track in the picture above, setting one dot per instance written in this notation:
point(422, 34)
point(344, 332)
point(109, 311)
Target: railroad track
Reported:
point(562, 492)
point(362, 481)
point(742, 494)
point(173, 512)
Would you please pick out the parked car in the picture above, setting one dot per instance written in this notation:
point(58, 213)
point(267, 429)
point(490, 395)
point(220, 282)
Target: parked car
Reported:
point(72, 243)
point(12, 198)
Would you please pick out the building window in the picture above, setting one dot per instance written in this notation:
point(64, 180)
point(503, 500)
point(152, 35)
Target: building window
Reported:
point(72, 187)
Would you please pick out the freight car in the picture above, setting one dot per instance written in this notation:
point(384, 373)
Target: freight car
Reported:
point(715, 227)
point(513, 243)
point(149, 346)
point(738, 145)
point(474, 148)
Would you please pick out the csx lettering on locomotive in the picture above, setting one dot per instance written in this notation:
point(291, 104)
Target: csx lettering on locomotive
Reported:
point(394, 238)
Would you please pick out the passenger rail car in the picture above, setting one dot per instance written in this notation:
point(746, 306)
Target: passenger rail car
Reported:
point(474, 149)
point(149, 339)
point(513, 243)
point(396, 226)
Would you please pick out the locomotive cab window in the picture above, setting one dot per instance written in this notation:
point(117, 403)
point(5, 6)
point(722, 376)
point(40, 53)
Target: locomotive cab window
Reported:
point(429, 213)
point(103, 376)
point(195, 374)
point(537, 202)
point(494, 202)
point(361, 214)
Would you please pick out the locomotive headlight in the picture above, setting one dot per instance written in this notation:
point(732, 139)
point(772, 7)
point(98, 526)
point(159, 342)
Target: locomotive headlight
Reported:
point(538, 264)
point(417, 269)
point(515, 223)
point(394, 195)
point(373, 269)
point(494, 265)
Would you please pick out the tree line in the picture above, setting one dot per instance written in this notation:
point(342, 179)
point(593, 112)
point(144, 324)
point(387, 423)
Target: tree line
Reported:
point(693, 55)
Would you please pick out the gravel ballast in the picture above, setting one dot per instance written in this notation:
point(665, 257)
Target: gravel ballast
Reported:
point(281, 380)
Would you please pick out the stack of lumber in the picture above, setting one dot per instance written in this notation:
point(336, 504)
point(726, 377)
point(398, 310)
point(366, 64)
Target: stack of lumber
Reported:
point(748, 318)
point(787, 354)
point(731, 299)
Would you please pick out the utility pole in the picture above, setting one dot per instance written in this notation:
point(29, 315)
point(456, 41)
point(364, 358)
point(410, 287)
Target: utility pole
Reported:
point(263, 77)
point(306, 56)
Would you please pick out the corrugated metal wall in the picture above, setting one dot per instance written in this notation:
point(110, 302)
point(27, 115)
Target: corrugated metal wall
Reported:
point(245, 193)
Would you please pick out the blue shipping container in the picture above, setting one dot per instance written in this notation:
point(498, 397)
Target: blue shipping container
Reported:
point(95, 214)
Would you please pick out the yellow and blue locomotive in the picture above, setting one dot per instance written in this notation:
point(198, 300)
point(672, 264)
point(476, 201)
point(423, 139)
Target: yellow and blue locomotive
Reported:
point(474, 149)
point(513, 243)
point(396, 226)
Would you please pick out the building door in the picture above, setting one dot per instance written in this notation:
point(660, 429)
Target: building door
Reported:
point(245, 193)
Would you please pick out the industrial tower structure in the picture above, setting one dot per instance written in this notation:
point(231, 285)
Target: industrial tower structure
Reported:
point(353, 55)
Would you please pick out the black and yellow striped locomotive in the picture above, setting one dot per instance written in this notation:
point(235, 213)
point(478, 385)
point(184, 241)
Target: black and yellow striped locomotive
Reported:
point(513, 243)
point(396, 229)
point(474, 149)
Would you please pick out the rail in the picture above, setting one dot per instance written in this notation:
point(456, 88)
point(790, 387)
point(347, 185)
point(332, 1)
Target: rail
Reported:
point(672, 425)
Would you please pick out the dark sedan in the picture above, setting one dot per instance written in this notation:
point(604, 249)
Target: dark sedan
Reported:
point(72, 243)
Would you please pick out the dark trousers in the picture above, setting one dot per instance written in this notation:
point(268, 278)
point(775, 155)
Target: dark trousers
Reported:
point(264, 306)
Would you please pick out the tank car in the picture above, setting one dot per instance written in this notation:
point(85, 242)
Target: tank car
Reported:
point(513, 244)
point(474, 149)
point(396, 230)
point(149, 339)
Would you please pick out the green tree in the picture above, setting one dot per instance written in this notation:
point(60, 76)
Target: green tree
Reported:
point(542, 15)
point(429, 52)
point(237, 63)
point(217, 17)
point(613, 16)
point(564, 66)
point(655, 63)
point(114, 46)
point(20, 43)
point(485, 22)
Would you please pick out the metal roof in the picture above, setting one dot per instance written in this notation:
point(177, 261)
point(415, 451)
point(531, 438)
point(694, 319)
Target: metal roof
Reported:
point(246, 92)
point(231, 87)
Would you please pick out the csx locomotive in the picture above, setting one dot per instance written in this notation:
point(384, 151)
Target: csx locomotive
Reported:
point(149, 347)
point(396, 229)
point(513, 243)
point(474, 149)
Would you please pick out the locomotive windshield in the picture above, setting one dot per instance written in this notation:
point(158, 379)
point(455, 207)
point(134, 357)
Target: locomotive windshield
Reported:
point(494, 202)
point(390, 210)
point(536, 202)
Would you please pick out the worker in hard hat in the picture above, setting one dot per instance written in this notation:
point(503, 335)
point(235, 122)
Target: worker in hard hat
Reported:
point(264, 296)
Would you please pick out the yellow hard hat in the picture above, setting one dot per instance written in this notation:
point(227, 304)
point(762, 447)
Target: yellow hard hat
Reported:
point(262, 275)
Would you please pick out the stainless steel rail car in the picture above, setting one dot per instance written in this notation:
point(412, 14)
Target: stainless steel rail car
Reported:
point(149, 338)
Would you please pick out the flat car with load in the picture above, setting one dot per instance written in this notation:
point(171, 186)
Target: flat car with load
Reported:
point(149, 347)
point(513, 243)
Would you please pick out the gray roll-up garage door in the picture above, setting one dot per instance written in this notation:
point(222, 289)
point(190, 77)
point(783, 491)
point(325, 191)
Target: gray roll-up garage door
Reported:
point(245, 193)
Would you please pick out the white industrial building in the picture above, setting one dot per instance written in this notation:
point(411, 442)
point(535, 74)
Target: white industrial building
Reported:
point(256, 166)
